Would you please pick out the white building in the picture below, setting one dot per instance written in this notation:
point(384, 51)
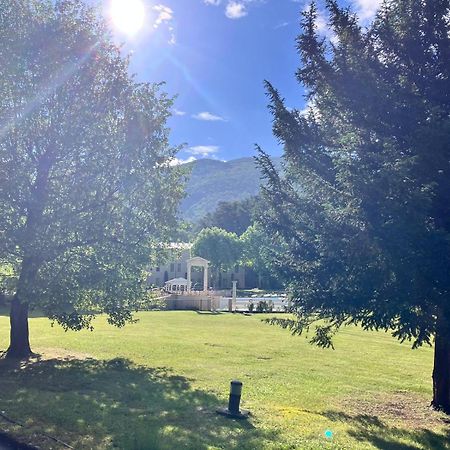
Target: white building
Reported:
point(177, 267)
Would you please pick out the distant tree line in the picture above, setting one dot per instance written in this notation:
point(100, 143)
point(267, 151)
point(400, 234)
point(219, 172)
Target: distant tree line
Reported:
point(230, 236)
point(235, 216)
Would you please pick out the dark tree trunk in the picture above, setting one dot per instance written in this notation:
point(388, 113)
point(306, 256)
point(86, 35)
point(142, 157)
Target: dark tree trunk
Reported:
point(19, 346)
point(441, 371)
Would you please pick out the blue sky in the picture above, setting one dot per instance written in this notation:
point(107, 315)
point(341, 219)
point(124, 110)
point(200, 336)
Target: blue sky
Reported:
point(214, 55)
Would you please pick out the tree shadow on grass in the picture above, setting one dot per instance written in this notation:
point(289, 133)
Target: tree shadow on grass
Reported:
point(370, 428)
point(116, 404)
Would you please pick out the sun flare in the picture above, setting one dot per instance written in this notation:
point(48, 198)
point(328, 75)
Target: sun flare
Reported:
point(127, 15)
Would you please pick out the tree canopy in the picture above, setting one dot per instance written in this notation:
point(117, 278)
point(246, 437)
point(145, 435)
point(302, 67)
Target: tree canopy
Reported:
point(86, 190)
point(220, 247)
point(257, 254)
point(363, 210)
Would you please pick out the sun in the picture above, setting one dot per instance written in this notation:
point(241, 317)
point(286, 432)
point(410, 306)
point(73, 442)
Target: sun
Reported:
point(127, 15)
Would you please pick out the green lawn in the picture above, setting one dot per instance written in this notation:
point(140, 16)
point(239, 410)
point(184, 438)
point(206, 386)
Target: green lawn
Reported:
point(155, 384)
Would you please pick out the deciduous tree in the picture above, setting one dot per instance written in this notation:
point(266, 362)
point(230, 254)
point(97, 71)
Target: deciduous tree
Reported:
point(221, 248)
point(258, 252)
point(86, 191)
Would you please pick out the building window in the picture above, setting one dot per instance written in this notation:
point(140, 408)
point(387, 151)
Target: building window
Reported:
point(157, 281)
point(172, 267)
point(157, 269)
point(179, 267)
point(236, 269)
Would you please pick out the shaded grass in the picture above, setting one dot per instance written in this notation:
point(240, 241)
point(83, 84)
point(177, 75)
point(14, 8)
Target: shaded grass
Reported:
point(155, 385)
point(116, 404)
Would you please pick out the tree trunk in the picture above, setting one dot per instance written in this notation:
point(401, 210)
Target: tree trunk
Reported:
point(441, 371)
point(441, 374)
point(19, 346)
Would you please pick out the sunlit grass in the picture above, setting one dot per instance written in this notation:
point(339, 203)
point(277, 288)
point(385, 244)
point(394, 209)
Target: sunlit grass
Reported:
point(172, 369)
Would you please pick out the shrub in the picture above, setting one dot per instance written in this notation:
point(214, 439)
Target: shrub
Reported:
point(264, 306)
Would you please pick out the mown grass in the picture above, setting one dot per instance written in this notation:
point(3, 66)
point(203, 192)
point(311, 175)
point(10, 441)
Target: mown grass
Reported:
point(155, 384)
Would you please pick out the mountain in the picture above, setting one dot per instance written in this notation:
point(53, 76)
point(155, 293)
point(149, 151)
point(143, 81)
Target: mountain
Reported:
point(213, 181)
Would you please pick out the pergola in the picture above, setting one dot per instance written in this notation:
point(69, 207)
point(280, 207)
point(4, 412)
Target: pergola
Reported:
point(197, 261)
point(176, 286)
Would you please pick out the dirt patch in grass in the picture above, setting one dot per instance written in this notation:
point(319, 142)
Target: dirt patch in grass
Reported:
point(407, 408)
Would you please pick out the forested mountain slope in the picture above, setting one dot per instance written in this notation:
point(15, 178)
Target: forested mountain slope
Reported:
point(213, 181)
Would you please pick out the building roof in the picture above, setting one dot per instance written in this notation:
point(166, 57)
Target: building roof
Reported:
point(179, 281)
point(198, 260)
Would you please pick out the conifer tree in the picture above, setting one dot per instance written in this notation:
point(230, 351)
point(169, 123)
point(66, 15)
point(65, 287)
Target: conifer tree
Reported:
point(363, 209)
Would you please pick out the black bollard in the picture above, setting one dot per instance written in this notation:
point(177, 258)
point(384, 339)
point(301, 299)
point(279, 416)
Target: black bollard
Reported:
point(234, 402)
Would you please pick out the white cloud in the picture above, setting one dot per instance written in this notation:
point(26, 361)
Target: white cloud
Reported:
point(164, 14)
point(177, 161)
point(205, 115)
point(305, 110)
point(203, 150)
point(177, 112)
point(324, 29)
point(281, 25)
point(173, 39)
point(310, 106)
point(367, 9)
point(322, 24)
point(235, 10)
